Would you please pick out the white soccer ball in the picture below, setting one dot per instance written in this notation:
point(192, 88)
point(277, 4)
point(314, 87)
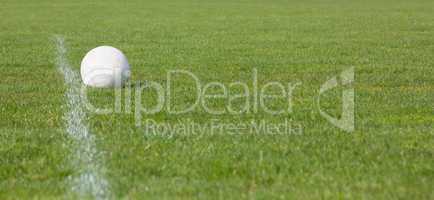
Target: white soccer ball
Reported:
point(104, 66)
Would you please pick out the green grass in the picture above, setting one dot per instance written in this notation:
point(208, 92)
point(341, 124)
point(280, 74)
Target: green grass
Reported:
point(390, 155)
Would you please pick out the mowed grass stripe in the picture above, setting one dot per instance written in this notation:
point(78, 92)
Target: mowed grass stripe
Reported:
point(90, 181)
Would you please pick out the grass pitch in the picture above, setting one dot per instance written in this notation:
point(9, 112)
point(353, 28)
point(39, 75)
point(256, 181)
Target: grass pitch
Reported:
point(389, 155)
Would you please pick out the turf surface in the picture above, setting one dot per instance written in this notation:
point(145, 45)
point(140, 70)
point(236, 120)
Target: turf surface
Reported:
point(389, 155)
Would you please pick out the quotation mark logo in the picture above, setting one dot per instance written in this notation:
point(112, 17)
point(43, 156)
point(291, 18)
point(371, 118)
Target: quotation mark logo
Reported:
point(346, 122)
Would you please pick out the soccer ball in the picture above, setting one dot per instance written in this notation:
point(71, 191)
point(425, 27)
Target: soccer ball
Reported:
point(103, 67)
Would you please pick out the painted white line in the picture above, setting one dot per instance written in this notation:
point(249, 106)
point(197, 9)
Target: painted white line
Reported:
point(90, 180)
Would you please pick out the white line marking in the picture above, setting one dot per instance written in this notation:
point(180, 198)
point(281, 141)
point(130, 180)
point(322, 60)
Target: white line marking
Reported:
point(90, 180)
